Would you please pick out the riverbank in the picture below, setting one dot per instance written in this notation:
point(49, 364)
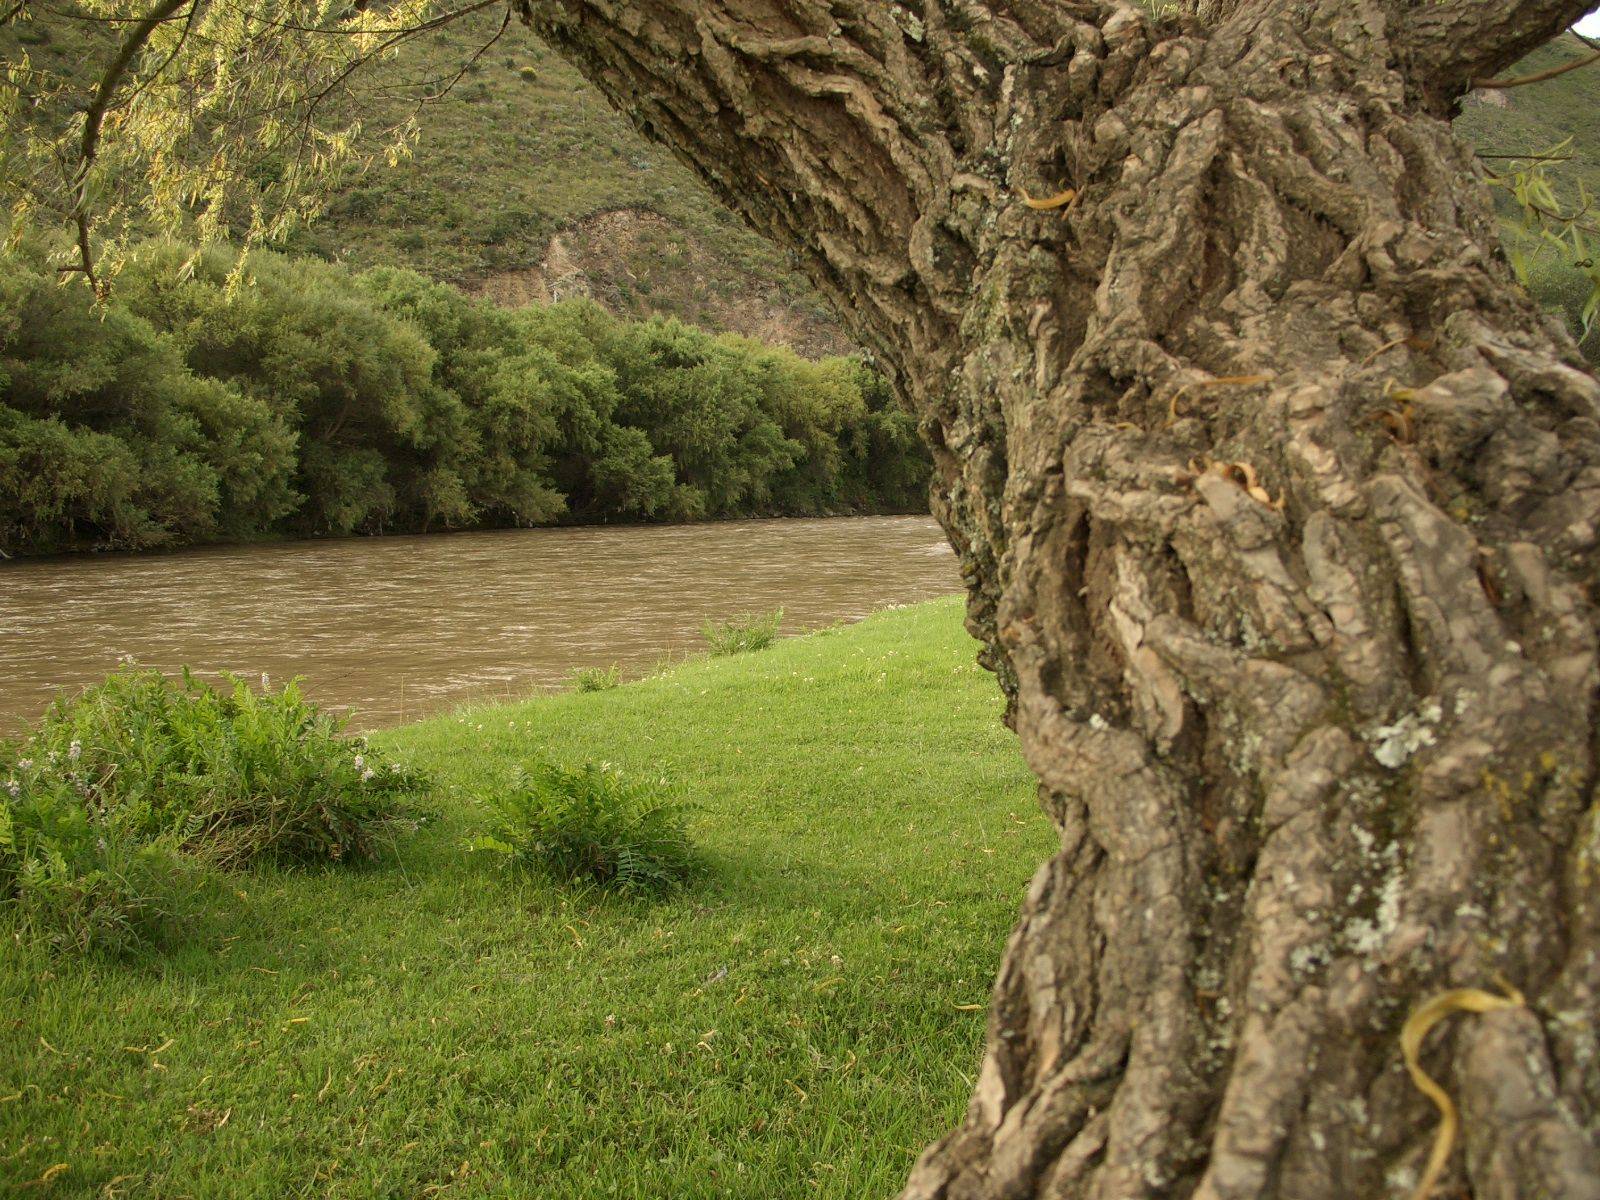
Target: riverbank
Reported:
point(798, 1023)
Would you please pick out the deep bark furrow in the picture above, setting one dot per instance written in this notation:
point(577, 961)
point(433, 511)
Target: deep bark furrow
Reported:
point(1277, 503)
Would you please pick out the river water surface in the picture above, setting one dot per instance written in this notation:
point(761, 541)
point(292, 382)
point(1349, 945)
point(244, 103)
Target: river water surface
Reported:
point(395, 628)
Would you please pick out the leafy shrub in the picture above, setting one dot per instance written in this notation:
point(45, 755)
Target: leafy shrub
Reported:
point(596, 679)
point(593, 825)
point(108, 439)
point(76, 881)
point(111, 788)
point(231, 776)
point(742, 634)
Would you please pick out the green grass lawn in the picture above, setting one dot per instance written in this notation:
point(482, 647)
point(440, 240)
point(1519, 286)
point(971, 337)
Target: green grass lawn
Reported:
point(799, 1022)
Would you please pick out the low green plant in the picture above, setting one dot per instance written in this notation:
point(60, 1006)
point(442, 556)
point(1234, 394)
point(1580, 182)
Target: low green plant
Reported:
point(592, 824)
point(76, 881)
point(596, 679)
point(743, 633)
point(232, 775)
point(114, 791)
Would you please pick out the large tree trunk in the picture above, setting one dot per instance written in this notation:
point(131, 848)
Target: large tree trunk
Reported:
point(1278, 505)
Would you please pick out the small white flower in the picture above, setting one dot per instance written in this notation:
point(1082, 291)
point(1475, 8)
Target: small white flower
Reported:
point(360, 762)
point(14, 788)
point(368, 773)
point(75, 751)
point(25, 764)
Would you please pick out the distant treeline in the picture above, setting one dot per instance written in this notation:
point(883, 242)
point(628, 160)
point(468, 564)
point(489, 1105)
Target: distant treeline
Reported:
point(302, 399)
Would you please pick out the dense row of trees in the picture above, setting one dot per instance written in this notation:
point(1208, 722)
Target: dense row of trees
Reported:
point(307, 399)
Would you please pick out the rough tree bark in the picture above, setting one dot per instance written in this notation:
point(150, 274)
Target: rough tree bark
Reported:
point(1277, 502)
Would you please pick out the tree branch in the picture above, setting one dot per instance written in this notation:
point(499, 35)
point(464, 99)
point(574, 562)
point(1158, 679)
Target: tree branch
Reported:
point(1538, 76)
point(86, 18)
point(1453, 44)
point(1531, 157)
point(834, 129)
point(94, 120)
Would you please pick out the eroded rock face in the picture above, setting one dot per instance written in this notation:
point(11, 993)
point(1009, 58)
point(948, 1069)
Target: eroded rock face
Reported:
point(637, 263)
point(1279, 507)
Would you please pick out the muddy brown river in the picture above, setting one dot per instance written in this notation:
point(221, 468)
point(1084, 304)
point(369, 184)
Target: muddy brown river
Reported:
point(395, 628)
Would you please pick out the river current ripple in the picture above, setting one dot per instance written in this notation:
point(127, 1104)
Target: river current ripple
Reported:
point(392, 629)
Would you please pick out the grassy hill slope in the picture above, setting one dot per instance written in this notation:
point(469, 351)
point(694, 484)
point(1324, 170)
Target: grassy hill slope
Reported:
point(526, 186)
point(1532, 119)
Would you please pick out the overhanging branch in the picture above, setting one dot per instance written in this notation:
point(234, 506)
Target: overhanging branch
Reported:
point(1537, 76)
point(94, 121)
point(1453, 45)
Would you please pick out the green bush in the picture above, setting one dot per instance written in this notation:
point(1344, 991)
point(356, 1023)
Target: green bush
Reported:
point(108, 439)
point(742, 634)
point(111, 788)
point(76, 881)
point(592, 825)
point(596, 679)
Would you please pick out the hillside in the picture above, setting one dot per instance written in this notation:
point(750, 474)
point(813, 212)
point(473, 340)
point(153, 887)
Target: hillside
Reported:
point(1535, 118)
point(527, 186)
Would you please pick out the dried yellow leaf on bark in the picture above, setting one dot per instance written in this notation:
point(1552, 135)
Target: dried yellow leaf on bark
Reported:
point(1416, 1028)
point(1057, 201)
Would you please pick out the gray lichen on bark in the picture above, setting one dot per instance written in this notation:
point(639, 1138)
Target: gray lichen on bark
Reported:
point(1277, 503)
